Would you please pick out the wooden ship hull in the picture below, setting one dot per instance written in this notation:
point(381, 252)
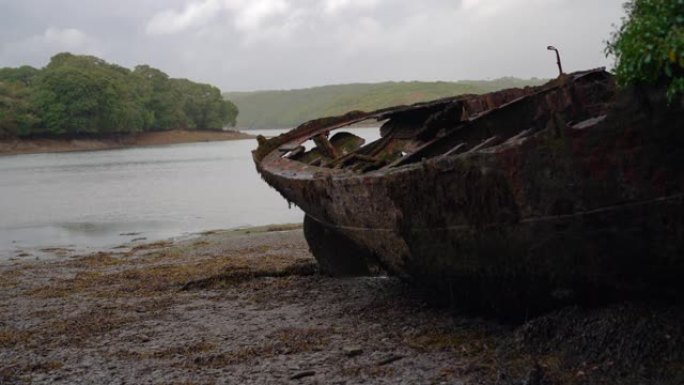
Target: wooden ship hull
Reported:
point(515, 200)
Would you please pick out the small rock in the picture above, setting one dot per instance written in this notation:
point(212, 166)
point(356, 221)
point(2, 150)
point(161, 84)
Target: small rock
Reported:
point(301, 375)
point(352, 351)
point(390, 359)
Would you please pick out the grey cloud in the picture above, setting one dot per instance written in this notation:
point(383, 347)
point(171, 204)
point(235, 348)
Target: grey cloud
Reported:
point(266, 44)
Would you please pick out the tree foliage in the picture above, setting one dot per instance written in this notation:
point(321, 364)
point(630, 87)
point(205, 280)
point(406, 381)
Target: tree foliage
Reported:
point(649, 46)
point(76, 95)
point(17, 117)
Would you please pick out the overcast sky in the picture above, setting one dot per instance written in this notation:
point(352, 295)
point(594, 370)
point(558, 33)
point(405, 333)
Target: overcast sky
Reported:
point(283, 44)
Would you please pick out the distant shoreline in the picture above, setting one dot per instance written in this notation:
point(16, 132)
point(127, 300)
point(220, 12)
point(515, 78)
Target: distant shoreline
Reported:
point(45, 145)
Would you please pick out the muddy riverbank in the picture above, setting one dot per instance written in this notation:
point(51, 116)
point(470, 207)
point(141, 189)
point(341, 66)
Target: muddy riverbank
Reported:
point(248, 307)
point(35, 146)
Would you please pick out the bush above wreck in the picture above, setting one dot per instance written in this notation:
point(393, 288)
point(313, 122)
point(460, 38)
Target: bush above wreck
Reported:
point(649, 46)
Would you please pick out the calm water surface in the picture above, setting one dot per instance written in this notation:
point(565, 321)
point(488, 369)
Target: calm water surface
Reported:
point(103, 199)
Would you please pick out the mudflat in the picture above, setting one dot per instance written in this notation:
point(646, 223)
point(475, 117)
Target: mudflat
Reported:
point(249, 307)
point(32, 146)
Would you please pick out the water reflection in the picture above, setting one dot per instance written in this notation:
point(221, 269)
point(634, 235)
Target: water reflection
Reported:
point(101, 199)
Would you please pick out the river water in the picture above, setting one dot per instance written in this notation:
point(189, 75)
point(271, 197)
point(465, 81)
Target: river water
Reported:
point(97, 200)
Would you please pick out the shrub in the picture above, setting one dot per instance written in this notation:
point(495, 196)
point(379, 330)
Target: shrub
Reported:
point(649, 46)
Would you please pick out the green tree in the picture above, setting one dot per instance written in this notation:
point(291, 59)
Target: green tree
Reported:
point(649, 46)
point(24, 75)
point(16, 115)
point(164, 102)
point(86, 95)
point(204, 106)
point(230, 113)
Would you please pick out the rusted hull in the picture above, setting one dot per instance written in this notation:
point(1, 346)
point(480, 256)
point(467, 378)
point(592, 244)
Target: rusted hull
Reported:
point(572, 210)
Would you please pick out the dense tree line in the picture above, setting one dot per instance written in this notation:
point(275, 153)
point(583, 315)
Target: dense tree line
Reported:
point(76, 95)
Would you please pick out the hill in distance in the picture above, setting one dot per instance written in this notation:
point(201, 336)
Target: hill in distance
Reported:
point(289, 108)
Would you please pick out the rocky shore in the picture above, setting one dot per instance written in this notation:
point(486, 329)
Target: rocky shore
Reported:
point(33, 146)
point(249, 307)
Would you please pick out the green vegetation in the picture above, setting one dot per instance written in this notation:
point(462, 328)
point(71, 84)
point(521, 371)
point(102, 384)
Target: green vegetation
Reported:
point(649, 46)
point(76, 95)
point(281, 109)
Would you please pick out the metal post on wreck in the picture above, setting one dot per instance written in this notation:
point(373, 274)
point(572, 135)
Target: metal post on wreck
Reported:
point(558, 59)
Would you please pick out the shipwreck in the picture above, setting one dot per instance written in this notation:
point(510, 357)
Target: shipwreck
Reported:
point(515, 200)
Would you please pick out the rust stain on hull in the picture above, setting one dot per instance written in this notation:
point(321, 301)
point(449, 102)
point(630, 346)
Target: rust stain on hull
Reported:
point(518, 199)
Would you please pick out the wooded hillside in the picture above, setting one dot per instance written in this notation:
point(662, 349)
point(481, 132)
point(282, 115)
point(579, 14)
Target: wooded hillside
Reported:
point(282, 109)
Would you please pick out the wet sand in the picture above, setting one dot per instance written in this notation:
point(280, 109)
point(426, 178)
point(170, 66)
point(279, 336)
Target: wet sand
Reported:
point(248, 307)
point(34, 146)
